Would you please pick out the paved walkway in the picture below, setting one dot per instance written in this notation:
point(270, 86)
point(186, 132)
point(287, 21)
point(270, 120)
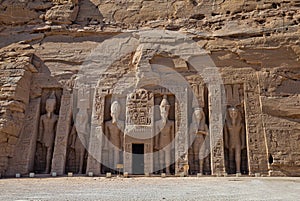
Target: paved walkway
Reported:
point(151, 188)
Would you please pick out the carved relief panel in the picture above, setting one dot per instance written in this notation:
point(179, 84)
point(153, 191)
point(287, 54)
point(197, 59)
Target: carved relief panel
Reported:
point(139, 113)
point(139, 108)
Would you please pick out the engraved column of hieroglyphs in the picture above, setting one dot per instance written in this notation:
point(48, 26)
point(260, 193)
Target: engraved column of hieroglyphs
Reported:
point(96, 135)
point(256, 145)
point(216, 124)
point(215, 121)
point(181, 129)
point(25, 150)
point(62, 132)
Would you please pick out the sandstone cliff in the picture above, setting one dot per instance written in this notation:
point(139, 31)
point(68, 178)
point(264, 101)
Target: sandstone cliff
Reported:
point(43, 44)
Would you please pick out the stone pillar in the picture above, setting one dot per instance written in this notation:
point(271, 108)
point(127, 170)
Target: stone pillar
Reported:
point(127, 157)
point(23, 160)
point(96, 135)
point(181, 130)
point(62, 134)
point(95, 150)
point(149, 160)
point(256, 138)
point(216, 129)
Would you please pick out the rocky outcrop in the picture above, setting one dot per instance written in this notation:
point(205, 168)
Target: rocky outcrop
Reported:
point(52, 39)
point(16, 71)
point(62, 14)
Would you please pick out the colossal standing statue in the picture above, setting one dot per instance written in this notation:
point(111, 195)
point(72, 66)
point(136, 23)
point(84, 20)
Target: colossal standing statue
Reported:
point(77, 144)
point(234, 136)
point(47, 129)
point(165, 137)
point(81, 143)
point(114, 134)
point(198, 132)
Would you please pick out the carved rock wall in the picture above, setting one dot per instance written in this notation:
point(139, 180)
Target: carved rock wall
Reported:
point(15, 75)
point(43, 44)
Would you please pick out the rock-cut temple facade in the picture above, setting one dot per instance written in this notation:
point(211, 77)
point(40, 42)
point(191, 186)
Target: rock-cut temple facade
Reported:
point(150, 87)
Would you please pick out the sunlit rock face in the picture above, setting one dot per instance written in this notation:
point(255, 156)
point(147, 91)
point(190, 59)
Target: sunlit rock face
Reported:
point(254, 47)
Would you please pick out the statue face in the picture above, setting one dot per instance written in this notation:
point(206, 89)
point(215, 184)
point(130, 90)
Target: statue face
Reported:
point(233, 113)
point(114, 115)
point(50, 105)
point(164, 112)
point(115, 111)
point(198, 114)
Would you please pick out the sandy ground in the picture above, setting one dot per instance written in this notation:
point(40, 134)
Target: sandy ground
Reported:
point(151, 188)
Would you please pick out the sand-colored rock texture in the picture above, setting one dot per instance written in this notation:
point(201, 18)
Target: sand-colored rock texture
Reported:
point(255, 44)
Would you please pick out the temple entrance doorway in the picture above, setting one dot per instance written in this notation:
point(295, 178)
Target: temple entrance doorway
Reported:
point(138, 158)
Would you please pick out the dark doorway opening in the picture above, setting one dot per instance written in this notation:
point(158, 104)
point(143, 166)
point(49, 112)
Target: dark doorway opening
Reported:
point(138, 158)
point(271, 159)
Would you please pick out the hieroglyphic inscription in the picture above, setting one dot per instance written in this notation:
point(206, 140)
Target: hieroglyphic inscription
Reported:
point(25, 149)
point(63, 129)
point(257, 149)
point(139, 108)
point(96, 134)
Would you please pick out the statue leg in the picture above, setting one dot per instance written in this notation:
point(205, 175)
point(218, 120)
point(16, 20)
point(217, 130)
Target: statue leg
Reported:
point(196, 156)
point(238, 160)
point(157, 163)
point(201, 161)
point(48, 160)
point(116, 158)
point(161, 160)
point(168, 161)
point(110, 158)
point(201, 156)
point(230, 160)
point(81, 159)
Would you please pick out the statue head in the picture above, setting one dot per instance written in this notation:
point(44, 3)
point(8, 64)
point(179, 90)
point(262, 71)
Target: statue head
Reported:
point(51, 103)
point(115, 110)
point(233, 113)
point(198, 114)
point(164, 107)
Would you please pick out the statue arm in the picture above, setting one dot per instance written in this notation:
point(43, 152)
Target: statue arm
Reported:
point(191, 134)
point(73, 137)
point(173, 130)
point(207, 140)
point(41, 130)
point(106, 135)
point(243, 137)
point(121, 136)
point(122, 141)
point(206, 129)
point(156, 144)
point(226, 137)
point(173, 135)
